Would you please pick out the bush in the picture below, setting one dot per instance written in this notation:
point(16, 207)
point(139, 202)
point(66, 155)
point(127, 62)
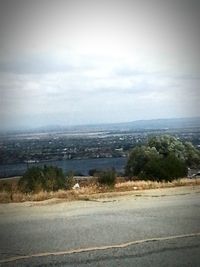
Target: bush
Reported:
point(32, 180)
point(70, 181)
point(48, 178)
point(163, 158)
point(107, 178)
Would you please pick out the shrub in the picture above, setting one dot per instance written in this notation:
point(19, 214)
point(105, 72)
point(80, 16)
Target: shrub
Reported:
point(107, 178)
point(48, 178)
point(32, 180)
point(54, 178)
point(70, 181)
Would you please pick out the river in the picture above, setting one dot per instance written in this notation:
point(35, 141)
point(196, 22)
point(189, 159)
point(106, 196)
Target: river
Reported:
point(77, 165)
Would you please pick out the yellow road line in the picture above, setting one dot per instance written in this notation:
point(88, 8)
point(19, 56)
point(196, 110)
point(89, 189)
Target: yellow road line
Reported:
point(123, 245)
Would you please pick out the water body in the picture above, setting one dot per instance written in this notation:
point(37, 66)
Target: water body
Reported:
point(80, 166)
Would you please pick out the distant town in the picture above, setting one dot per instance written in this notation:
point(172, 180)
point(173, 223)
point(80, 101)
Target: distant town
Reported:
point(89, 143)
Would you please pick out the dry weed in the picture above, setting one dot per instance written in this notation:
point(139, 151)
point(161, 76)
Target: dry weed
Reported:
point(84, 192)
point(141, 185)
point(5, 197)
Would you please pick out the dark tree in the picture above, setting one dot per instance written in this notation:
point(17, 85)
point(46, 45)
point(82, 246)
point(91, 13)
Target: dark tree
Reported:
point(163, 158)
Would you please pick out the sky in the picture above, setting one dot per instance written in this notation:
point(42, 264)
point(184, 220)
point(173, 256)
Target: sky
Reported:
point(72, 62)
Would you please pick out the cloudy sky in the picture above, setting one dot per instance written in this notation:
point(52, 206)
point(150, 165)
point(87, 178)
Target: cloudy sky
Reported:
point(69, 62)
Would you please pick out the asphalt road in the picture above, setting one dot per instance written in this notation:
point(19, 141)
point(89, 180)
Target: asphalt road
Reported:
point(151, 228)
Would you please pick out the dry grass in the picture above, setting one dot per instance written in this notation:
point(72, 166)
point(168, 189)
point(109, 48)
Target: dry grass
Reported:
point(142, 185)
point(4, 197)
point(12, 194)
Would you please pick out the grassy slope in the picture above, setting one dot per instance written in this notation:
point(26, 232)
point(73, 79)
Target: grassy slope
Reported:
point(10, 193)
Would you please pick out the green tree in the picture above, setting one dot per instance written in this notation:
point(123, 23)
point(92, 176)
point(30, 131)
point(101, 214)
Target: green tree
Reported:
point(138, 158)
point(165, 168)
point(169, 145)
point(166, 145)
point(192, 156)
point(163, 158)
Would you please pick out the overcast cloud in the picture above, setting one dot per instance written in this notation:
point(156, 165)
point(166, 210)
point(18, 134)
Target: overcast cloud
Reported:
point(79, 62)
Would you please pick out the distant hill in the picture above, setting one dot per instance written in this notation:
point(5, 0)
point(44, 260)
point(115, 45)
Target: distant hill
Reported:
point(134, 125)
point(174, 123)
point(160, 124)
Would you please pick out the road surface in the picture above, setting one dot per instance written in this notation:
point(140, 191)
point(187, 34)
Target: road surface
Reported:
point(147, 228)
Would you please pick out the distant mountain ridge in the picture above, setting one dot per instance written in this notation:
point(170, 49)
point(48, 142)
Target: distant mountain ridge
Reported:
point(163, 123)
point(174, 123)
point(145, 124)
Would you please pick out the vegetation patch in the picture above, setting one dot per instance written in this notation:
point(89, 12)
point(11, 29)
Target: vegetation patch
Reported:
point(162, 158)
point(160, 163)
point(48, 178)
point(90, 192)
point(107, 178)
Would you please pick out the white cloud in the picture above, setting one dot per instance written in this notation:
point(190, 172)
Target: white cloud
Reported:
point(94, 62)
point(101, 92)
